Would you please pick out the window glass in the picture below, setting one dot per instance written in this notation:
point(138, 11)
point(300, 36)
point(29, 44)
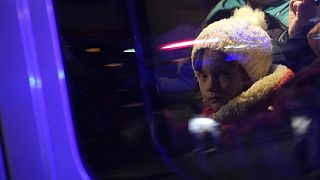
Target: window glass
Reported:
point(147, 105)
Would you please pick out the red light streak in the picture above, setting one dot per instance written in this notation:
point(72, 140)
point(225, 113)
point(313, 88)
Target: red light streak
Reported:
point(184, 44)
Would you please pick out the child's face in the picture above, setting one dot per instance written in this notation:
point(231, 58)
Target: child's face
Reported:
point(219, 81)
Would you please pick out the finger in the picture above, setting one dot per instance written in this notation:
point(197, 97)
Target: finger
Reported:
point(297, 4)
point(297, 7)
point(292, 8)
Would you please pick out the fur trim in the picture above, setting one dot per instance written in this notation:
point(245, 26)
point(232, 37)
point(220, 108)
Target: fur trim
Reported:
point(255, 17)
point(260, 90)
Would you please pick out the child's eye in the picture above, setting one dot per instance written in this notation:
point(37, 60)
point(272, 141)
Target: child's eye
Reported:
point(225, 74)
point(201, 76)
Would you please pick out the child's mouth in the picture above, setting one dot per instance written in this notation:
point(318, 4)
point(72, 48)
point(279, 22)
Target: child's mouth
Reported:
point(214, 100)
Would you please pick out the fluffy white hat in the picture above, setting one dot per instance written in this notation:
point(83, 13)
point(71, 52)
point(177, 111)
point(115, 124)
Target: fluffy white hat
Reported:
point(242, 34)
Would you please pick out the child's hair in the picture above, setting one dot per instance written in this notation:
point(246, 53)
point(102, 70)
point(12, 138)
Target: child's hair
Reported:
point(241, 35)
point(197, 64)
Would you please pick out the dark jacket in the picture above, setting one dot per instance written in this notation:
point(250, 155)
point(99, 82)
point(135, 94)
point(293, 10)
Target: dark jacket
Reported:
point(298, 103)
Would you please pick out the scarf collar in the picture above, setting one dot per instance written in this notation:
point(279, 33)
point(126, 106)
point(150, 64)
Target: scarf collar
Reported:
point(259, 91)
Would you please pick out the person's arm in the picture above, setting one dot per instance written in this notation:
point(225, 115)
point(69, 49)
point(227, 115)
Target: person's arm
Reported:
point(293, 42)
point(300, 13)
point(296, 49)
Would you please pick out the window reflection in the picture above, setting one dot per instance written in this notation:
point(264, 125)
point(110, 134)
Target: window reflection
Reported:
point(199, 89)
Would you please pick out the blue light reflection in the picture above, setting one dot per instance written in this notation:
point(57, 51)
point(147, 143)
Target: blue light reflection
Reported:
point(34, 82)
point(61, 74)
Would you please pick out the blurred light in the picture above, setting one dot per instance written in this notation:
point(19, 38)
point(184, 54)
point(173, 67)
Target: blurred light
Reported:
point(181, 44)
point(34, 82)
point(237, 48)
point(242, 46)
point(270, 108)
point(114, 65)
point(314, 20)
point(129, 51)
point(93, 50)
point(228, 47)
point(253, 45)
point(180, 60)
point(137, 104)
point(316, 36)
point(235, 57)
point(202, 124)
point(61, 75)
point(184, 44)
point(300, 124)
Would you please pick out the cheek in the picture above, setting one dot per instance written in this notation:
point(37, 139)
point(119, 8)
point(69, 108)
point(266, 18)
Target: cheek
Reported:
point(226, 84)
point(233, 87)
point(237, 86)
point(202, 88)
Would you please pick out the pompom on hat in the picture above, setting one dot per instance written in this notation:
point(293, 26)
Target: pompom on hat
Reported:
point(243, 34)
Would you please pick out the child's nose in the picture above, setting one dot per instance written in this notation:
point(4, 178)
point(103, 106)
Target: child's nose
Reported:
point(212, 84)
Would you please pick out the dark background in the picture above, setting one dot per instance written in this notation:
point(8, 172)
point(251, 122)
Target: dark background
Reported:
point(105, 87)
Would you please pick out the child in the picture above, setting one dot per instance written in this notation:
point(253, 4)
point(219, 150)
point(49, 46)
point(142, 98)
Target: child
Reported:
point(232, 61)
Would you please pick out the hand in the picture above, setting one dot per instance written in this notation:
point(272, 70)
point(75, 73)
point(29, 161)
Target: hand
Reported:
point(314, 39)
point(300, 12)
